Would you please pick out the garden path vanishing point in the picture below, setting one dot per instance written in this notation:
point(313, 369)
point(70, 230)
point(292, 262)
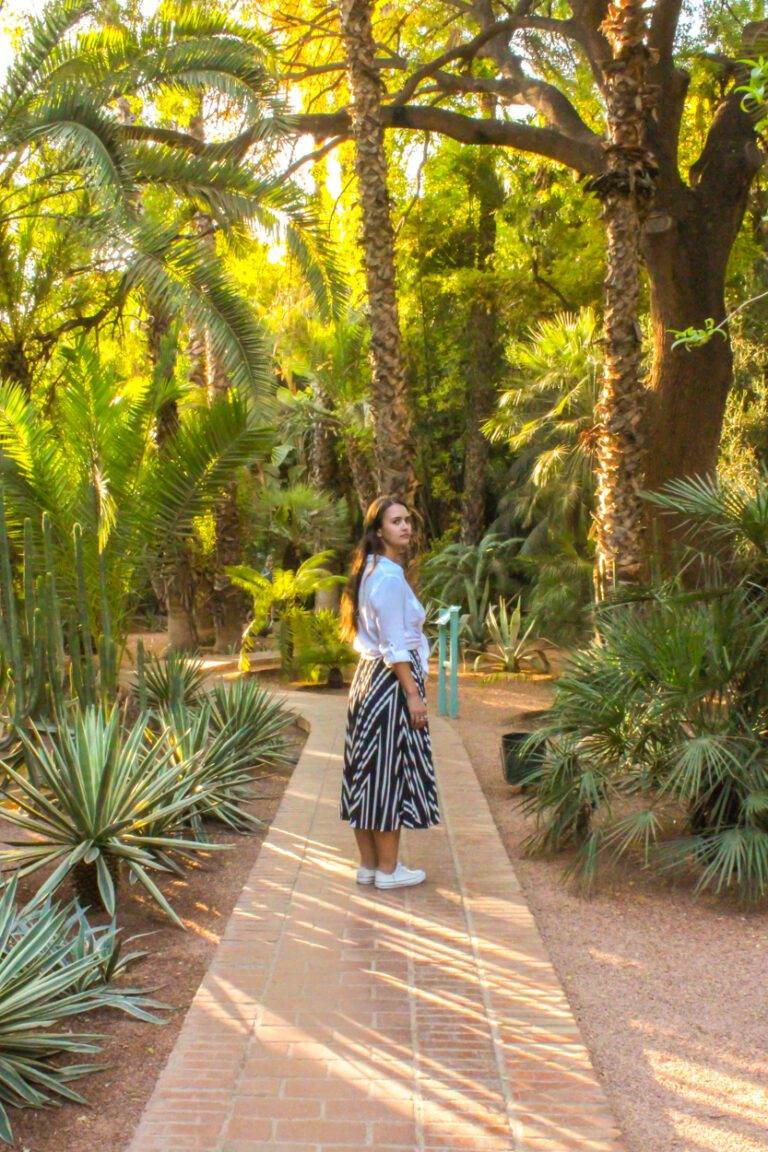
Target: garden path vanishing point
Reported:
point(336, 1016)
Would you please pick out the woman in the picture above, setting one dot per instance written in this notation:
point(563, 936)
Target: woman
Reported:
point(389, 779)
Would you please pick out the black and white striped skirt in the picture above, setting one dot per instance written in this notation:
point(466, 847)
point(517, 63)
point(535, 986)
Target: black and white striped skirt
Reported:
point(389, 778)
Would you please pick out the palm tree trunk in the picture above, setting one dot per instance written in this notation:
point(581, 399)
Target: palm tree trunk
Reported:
point(229, 605)
point(394, 448)
point(483, 342)
point(361, 472)
point(625, 190)
point(177, 577)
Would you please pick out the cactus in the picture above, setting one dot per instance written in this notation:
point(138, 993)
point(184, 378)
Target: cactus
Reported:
point(33, 652)
point(141, 676)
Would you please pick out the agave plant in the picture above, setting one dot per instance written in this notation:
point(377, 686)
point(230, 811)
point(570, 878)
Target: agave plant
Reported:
point(258, 717)
point(104, 799)
point(173, 680)
point(512, 648)
point(53, 965)
point(223, 766)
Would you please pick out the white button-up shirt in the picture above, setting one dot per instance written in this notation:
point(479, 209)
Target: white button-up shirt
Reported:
point(390, 616)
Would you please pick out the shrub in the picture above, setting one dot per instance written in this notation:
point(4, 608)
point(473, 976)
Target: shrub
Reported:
point(656, 741)
point(172, 679)
point(318, 646)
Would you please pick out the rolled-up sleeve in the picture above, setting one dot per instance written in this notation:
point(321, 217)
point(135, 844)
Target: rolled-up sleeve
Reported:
point(389, 601)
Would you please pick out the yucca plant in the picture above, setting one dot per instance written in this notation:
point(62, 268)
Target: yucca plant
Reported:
point(172, 680)
point(258, 716)
point(53, 966)
point(105, 799)
point(511, 647)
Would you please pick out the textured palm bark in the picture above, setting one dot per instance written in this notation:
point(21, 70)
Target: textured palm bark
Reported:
point(322, 457)
point(485, 355)
point(175, 581)
point(228, 605)
point(363, 479)
point(625, 189)
point(394, 448)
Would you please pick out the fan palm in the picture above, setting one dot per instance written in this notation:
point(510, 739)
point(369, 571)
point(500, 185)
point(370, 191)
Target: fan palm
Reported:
point(547, 418)
point(126, 189)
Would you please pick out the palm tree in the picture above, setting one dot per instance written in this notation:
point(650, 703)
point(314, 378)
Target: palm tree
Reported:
point(547, 418)
point(91, 457)
point(625, 189)
point(123, 189)
point(394, 438)
point(330, 360)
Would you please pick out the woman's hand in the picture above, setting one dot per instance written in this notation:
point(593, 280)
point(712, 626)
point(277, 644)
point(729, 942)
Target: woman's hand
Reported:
point(417, 710)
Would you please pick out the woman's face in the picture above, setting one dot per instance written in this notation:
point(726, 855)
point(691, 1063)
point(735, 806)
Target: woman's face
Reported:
point(396, 527)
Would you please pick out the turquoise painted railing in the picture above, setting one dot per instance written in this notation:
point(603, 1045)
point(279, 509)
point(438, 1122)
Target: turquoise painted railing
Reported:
point(448, 629)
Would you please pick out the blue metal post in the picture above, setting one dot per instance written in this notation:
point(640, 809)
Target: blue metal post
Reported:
point(441, 622)
point(454, 709)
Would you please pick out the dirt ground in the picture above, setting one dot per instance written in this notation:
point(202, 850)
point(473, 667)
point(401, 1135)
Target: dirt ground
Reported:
point(134, 1052)
point(669, 990)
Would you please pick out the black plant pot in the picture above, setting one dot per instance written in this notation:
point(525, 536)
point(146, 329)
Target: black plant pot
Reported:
point(515, 764)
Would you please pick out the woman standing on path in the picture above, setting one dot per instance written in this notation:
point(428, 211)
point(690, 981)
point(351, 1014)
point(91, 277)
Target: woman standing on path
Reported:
point(389, 779)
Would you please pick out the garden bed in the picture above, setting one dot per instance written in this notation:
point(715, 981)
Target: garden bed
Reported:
point(667, 988)
point(135, 1052)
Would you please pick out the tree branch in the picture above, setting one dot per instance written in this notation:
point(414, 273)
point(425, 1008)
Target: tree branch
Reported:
point(585, 156)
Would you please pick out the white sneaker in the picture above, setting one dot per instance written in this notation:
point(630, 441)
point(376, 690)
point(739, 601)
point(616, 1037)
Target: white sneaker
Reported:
point(366, 875)
point(402, 877)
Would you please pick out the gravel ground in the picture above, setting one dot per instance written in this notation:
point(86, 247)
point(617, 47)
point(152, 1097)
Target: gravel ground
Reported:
point(669, 990)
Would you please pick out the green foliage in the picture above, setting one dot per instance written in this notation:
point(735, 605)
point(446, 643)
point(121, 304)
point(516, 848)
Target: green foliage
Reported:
point(547, 418)
point(104, 799)
point(54, 965)
point(80, 181)
point(39, 656)
point(511, 648)
point(172, 681)
point(90, 457)
point(222, 761)
point(656, 742)
point(258, 716)
point(287, 591)
point(318, 645)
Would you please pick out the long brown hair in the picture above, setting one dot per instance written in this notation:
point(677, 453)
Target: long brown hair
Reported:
point(370, 545)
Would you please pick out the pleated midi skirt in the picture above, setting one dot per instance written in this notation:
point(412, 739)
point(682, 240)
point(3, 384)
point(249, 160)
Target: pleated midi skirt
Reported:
point(389, 778)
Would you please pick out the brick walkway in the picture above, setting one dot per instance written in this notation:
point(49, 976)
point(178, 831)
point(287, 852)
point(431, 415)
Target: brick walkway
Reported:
point(335, 1016)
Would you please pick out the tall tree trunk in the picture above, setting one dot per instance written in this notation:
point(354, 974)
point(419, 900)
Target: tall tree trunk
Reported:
point(322, 459)
point(687, 243)
point(483, 342)
point(389, 398)
point(229, 605)
point(624, 189)
point(360, 469)
point(177, 575)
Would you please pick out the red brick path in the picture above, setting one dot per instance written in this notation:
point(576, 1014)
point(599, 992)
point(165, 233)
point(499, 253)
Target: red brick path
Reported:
point(340, 1017)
